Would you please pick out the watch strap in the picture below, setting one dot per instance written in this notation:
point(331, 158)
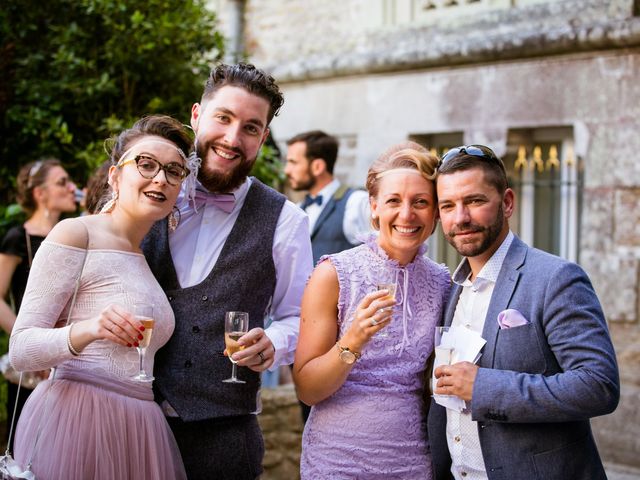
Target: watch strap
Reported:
point(347, 349)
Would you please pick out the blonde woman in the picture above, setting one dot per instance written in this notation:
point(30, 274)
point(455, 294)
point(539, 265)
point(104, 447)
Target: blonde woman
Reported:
point(361, 355)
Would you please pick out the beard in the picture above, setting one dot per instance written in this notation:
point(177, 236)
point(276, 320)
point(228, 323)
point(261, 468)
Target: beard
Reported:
point(222, 182)
point(304, 184)
point(490, 234)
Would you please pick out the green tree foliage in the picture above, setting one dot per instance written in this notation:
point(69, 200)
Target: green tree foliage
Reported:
point(73, 72)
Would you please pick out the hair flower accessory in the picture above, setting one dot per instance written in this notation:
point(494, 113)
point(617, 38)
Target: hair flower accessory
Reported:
point(193, 164)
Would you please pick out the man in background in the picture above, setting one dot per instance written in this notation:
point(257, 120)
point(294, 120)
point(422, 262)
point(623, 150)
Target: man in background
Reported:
point(338, 216)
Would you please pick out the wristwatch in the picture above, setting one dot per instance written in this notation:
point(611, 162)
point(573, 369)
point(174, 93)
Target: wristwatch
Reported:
point(346, 355)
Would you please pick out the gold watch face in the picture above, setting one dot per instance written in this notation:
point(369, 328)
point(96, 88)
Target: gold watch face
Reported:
point(347, 357)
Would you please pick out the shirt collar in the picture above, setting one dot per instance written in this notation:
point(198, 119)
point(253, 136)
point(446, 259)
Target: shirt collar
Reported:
point(490, 270)
point(328, 191)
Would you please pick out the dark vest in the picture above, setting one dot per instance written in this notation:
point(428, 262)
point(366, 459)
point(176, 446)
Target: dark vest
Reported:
point(190, 368)
point(328, 235)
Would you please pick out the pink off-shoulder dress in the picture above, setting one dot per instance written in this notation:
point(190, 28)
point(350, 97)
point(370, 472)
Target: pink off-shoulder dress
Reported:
point(94, 421)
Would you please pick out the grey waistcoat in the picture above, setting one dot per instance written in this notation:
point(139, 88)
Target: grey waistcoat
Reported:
point(190, 368)
point(328, 234)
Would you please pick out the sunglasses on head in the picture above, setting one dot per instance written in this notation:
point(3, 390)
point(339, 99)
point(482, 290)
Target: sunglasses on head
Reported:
point(479, 151)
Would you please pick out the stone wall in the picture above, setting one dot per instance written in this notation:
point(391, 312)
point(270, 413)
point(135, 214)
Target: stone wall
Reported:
point(282, 430)
point(313, 39)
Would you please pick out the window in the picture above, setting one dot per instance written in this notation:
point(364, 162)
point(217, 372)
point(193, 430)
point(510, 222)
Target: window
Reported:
point(547, 177)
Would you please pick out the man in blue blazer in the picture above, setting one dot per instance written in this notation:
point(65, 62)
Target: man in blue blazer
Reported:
point(548, 365)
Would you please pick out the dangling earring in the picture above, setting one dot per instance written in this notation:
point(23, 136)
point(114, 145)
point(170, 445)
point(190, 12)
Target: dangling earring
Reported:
point(111, 204)
point(174, 219)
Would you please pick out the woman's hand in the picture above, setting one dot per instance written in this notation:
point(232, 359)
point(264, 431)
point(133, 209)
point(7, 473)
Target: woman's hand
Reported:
point(119, 326)
point(372, 315)
point(114, 324)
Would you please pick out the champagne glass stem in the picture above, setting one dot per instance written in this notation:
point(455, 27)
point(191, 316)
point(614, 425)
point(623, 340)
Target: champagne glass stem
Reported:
point(233, 372)
point(141, 358)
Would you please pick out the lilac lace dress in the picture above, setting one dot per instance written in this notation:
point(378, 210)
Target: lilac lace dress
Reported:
point(374, 426)
point(94, 422)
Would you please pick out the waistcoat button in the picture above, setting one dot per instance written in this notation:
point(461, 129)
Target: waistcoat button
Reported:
point(188, 364)
point(204, 298)
point(195, 329)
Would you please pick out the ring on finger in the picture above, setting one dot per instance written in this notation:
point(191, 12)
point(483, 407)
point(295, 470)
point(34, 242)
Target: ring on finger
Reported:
point(262, 359)
point(373, 322)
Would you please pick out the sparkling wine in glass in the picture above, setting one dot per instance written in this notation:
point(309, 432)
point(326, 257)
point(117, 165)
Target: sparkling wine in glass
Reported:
point(391, 287)
point(236, 324)
point(144, 314)
point(445, 353)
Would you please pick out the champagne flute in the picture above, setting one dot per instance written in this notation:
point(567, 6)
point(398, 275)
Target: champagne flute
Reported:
point(236, 324)
point(144, 314)
point(444, 353)
point(391, 287)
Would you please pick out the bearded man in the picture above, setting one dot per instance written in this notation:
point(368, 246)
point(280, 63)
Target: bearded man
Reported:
point(548, 365)
point(238, 246)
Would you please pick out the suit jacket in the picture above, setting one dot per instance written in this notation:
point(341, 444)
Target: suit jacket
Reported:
point(538, 384)
point(328, 235)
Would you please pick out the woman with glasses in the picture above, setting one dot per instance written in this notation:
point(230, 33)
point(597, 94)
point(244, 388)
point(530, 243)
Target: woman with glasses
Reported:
point(367, 329)
point(44, 192)
point(100, 420)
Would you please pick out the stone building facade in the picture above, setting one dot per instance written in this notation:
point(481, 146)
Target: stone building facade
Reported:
point(552, 85)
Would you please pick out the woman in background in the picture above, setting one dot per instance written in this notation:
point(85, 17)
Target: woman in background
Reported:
point(44, 192)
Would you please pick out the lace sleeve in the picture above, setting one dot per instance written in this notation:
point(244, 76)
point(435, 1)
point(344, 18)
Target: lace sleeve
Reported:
point(35, 342)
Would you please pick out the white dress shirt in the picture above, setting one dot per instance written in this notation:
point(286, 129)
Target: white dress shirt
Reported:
point(197, 242)
point(356, 224)
point(462, 432)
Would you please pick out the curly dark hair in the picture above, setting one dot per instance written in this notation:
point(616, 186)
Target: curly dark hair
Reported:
point(248, 77)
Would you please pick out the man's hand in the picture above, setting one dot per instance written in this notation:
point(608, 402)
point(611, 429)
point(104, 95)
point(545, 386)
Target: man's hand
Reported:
point(456, 380)
point(258, 352)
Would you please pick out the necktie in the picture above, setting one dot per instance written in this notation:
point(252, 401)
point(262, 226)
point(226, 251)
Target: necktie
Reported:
point(224, 201)
point(309, 200)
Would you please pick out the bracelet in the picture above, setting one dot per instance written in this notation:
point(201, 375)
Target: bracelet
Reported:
point(73, 351)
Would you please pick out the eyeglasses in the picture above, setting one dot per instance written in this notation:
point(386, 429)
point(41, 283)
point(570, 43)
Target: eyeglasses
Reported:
point(150, 167)
point(63, 182)
point(474, 150)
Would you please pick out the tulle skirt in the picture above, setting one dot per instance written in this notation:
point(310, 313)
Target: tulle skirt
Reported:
point(96, 428)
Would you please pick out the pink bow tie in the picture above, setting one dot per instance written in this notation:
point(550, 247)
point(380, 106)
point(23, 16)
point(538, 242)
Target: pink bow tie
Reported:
point(224, 201)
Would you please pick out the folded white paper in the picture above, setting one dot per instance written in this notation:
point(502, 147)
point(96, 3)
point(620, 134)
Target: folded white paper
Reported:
point(458, 344)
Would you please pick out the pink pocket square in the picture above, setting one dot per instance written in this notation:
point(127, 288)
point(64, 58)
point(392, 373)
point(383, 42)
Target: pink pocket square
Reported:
point(511, 318)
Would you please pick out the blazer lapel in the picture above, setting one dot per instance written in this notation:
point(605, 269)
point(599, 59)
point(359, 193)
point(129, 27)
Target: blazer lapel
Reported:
point(450, 310)
point(502, 293)
point(324, 214)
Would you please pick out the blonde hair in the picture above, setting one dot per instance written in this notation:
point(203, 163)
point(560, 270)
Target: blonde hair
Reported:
point(409, 155)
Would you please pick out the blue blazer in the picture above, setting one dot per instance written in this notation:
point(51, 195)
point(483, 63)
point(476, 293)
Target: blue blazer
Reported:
point(538, 384)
